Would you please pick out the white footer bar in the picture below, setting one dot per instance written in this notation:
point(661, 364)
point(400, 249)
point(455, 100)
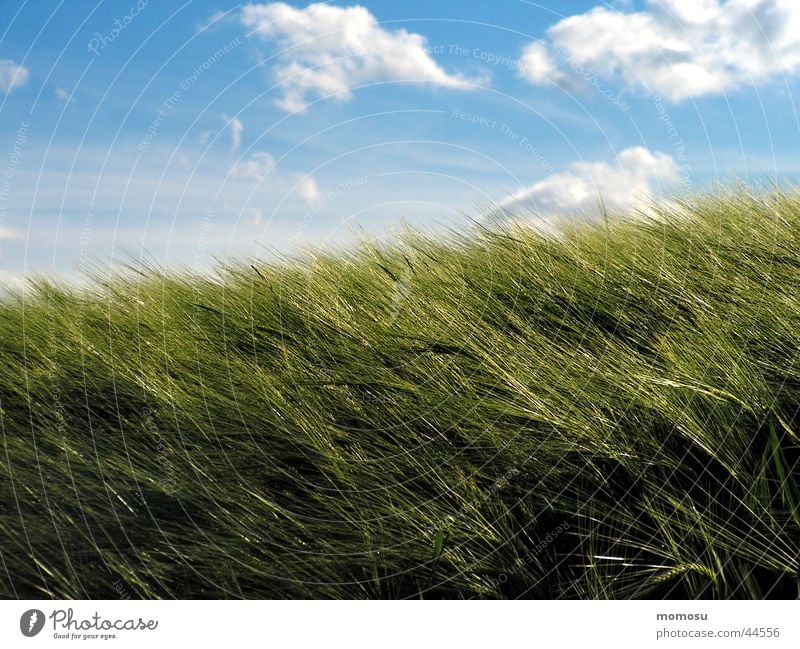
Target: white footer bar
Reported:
point(445, 624)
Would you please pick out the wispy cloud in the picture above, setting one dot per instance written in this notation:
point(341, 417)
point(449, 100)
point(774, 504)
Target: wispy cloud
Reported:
point(260, 164)
point(253, 169)
point(326, 50)
point(237, 128)
point(11, 234)
point(12, 75)
point(63, 95)
point(308, 190)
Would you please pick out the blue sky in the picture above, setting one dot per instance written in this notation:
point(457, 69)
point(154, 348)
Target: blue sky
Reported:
point(189, 132)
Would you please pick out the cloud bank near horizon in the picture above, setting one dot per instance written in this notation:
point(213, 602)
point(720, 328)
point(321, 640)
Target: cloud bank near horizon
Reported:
point(627, 184)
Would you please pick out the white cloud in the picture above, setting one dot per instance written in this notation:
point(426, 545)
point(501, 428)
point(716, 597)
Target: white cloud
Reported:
point(623, 185)
point(537, 66)
point(12, 75)
point(205, 136)
point(308, 190)
point(327, 50)
point(254, 215)
point(11, 234)
point(676, 48)
point(212, 21)
point(237, 127)
point(11, 282)
point(63, 95)
point(253, 169)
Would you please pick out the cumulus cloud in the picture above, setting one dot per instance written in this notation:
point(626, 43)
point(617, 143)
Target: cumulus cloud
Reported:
point(537, 66)
point(327, 50)
point(253, 169)
point(623, 185)
point(676, 48)
point(63, 95)
point(12, 75)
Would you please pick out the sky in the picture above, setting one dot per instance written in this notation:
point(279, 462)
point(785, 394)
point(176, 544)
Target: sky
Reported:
point(192, 134)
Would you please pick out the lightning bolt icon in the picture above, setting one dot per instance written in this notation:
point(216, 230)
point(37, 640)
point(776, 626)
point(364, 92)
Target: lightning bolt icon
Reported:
point(32, 621)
